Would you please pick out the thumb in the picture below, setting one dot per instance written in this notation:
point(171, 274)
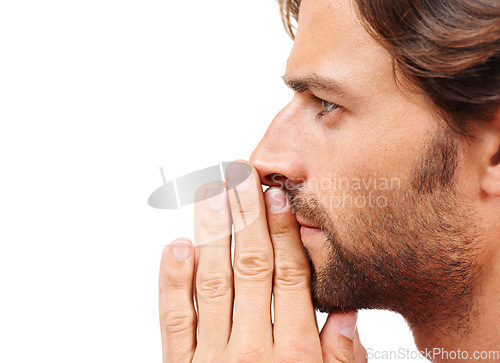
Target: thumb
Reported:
point(339, 339)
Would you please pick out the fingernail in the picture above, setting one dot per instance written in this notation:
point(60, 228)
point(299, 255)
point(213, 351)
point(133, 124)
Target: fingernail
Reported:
point(348, 324)
point(239, 175)
point(275, 199)
point(181, 250)
point(216, 197)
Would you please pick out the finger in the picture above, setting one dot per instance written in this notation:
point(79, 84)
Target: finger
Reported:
point(177, 314)
point(214, 273)
point(293, 305)
point(253, 257)
point(337, 338)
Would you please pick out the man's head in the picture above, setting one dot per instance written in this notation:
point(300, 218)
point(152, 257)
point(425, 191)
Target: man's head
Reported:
point(390, 146)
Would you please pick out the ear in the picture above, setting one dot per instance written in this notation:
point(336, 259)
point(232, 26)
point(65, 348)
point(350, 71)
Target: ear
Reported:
point(491, 181)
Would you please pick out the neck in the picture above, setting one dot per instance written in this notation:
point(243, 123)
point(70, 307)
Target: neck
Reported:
point(479, 332)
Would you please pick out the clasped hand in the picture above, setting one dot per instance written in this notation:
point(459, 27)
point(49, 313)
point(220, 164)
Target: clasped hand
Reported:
point(232, 320)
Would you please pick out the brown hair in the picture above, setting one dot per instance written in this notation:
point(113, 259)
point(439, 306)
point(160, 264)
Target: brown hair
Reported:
point(449, 48)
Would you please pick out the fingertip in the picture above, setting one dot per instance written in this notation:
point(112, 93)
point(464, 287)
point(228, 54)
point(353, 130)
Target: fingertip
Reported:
point(337, 338)
point(206, 190)
point(177, 314)
point(181, 249)
point(276, 200)
point(239, 174)
point(331, 324)
point(343, 323)
point(177, 267)
point(348, 324)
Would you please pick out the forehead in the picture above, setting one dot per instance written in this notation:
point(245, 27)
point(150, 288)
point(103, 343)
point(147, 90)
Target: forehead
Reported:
point(331, 40)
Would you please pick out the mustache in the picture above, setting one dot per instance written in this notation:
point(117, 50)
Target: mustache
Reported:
point(308, 206)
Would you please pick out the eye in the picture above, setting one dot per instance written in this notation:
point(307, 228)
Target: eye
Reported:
point(327, 106)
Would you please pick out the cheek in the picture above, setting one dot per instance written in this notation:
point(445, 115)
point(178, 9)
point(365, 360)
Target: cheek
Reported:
point(365, 157)
point(384, 139)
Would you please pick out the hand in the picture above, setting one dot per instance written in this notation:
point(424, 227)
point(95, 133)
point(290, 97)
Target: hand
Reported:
point(340, 340)
point(269, 259)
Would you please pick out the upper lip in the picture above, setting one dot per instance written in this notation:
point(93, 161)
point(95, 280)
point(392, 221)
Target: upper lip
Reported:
point(304, 223)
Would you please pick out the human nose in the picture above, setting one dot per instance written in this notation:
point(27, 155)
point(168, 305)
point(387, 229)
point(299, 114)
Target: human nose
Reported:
point(280, 157)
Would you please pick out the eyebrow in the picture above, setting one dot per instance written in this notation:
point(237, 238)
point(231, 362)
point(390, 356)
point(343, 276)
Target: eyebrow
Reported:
point(314, 82)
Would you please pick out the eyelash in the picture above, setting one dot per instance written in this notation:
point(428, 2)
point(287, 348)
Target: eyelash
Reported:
point(322, 101)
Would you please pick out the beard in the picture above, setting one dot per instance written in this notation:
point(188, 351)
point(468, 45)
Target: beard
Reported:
point(415, 256)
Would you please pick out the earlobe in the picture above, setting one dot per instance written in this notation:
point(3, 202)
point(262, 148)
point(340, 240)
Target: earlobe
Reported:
point(491, 181)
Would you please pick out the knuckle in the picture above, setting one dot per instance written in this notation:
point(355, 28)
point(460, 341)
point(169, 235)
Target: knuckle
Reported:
point(177, 280)
point(202, 356)
point(300, 351)
point(344, 356)
point(291, 275)
point(249, 355)
point(292, 355)
point(255, 264)
point(280, 232)
point(213, 285)
point(245, 211)
point(178, 322)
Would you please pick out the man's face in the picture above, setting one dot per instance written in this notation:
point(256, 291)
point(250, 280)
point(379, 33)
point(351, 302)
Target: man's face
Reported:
point(378, 175)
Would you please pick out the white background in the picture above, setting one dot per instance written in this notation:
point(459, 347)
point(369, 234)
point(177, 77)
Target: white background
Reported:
point(95, 95)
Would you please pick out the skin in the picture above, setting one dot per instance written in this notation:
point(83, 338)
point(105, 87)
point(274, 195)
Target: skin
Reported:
point(269, 258)
point(382, 129)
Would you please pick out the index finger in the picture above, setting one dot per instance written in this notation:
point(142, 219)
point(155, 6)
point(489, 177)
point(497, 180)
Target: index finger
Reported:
point(292, 276)
point(253, 257)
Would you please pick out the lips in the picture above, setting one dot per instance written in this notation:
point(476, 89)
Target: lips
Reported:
point(309, 230)
point(306, 224)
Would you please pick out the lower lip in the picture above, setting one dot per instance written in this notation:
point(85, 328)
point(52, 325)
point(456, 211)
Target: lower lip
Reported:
point(309, 231)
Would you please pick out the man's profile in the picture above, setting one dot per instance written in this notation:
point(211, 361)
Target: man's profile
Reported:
point(384, 171)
